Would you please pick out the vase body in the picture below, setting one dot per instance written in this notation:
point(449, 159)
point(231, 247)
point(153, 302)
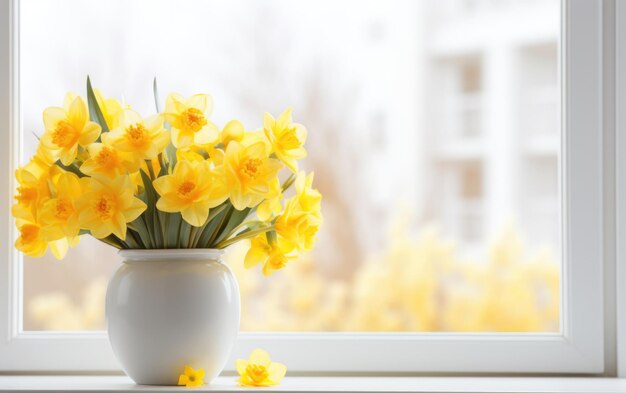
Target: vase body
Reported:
point(170, 308)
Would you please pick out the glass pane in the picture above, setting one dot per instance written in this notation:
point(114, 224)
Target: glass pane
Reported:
point(433, 134)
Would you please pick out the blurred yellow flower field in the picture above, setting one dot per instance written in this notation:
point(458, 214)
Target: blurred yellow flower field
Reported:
point(418, 283)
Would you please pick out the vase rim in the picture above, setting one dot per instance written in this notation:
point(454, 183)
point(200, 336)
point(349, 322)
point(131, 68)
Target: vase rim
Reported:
point(181, 254)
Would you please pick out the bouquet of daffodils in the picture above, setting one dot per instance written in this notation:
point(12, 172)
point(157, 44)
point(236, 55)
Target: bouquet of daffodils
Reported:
point(171, 180)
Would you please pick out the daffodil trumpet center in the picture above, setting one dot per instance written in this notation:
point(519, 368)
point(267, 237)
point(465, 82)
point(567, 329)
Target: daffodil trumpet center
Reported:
point(106, 157)
point(137, 134)
point(186, 188)
point(193, 119)
point(26, 194)
point(104, 207)
point(63, 209)
point(257, 372)
point(289, 139)
point(250, 168)
point(65, 135)
point(29, 232)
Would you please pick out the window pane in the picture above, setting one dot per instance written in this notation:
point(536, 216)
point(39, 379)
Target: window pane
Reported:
point(433, 134)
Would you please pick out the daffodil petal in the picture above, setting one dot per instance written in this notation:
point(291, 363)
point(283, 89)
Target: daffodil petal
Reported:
point(52, 116)
point(77, 113)
point(260, 357)
point(277, 371)
point(90, 134)
point(240, 365)
point(198, 101)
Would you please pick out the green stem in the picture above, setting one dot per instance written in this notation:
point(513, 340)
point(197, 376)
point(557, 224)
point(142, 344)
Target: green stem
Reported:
point(162, 162)
point(290, 180)
point(193, 233)
point(134, 225)
point(238, 227)
point(136, 239)
point(70, 168)
point(122, 242)
point(111, 241)
point(247, 235)
point(160, 217)
point(180, 227)
point(220, 226)
point(150, 169)
point(212, 214)
point(164, 224)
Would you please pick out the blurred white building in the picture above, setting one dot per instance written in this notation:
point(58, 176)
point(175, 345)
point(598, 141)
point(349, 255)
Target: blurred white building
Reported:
point(493, 67)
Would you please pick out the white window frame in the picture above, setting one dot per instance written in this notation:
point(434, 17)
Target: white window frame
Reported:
point(579, 348)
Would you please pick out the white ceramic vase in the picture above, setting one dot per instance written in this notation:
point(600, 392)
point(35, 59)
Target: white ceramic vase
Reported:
point(170, 308)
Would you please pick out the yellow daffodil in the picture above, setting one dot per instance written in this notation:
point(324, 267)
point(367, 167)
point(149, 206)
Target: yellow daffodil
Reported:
point(309, 198)
point(299, 227)
point(192, 189)
point(287, 138)
point(189, 155)
point(143, 138)
point(107, 205)
point(272, 255)
point(26, 201)
point(271, 206)
point(31, 241)
point(82, 179)
point(59, 215)
point(259, 370)
point(191, 378)
point(232, 131)
point(300, 220)
point(253, 137)
point(60, 247)
point(189, 119)
point(30, 193)
point(108, 161)
point(249, 172)
point(34, 187)
point(110, 108)
point(67, 128)
point(45, 157)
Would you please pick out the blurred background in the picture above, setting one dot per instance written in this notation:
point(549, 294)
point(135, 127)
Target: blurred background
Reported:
point(434, 136)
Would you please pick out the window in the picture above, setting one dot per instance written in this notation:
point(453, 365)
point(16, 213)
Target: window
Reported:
point(453, 222)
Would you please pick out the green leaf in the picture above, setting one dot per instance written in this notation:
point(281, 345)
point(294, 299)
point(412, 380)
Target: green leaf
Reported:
point(163, 170)
point(213, 213)
point(133, 240)
point(150, 197)
point(208, 233)
point(271, 236)
point(70, 168)
point(236, 218)
point(170, 150)
point(162, 218)
point(183, 234)
point(95, 113)
point(173, 229)
point(139, 226)
point(155, 90)
point(290, 180)
point(244, 235)
point(218, 230)
point(112, 240)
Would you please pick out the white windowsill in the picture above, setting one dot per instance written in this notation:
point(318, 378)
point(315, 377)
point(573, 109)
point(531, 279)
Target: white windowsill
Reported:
point(327, 384)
